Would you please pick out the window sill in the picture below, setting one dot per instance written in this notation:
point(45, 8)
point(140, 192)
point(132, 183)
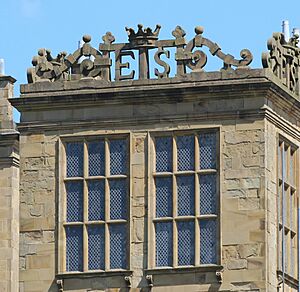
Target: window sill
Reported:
point(92, 274)
point(183, 270)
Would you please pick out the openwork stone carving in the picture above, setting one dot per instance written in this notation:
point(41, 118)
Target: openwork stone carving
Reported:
point(283, 59)
point(60, 285)
point(88, 62)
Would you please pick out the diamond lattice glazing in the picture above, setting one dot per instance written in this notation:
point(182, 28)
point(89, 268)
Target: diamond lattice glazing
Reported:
point(96, 248)
point(163, 197)
point(208, 203)
point(186, 243)
point(74, 153)
point(74, 248)
point(208, 155)
point(96, 158)
point(118, 157)
point(208, 240)
point(118, 199)
point(96, 200)
point(185, 153)
point(74, 201)
point(186, 195)
point(118, 246)
point(164, 244)
point(163, 149)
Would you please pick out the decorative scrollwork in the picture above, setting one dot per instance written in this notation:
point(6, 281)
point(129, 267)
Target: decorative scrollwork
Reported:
point(283, 59)
point(88, 62)
point(60, 285)
point(128, 280)
point(149, 279)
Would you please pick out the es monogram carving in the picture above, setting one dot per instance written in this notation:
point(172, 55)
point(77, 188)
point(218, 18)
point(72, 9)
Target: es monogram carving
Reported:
point(88, 62)
point(283, 59)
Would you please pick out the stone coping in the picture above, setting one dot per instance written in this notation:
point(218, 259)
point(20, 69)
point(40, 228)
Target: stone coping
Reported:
point(91, 92)
point(91, 83)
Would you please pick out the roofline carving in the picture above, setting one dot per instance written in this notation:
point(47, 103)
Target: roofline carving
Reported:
point(88, 62)
point(283, 60)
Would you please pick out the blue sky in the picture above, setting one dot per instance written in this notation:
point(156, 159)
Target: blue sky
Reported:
point(27, 25)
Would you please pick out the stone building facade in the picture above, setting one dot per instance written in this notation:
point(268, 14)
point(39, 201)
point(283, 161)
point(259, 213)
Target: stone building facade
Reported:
point(185, 183)
point(9, 190)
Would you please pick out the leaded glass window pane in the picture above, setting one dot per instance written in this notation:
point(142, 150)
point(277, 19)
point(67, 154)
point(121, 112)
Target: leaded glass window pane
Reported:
point(207, 146)
point(208, 203)
point(163, 150)
point(185, 153)
point(96, 158)
point(74, 153)
point(96, 247)
point(186, 195)
point(208, 240)
point(118, 199)
point(74, 201)
point(164, 197)
point(118, 157)
point(74, 248)
point(96, 199)
point(118, 250)
point(186, 243)
point(164, 244)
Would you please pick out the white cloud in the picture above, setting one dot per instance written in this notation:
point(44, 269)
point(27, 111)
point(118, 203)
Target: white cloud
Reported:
point(30, 8)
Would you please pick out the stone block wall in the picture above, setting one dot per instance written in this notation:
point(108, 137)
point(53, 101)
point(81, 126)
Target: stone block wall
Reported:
point(37, 212)
point(248, 186)
point(242, 209)
point(243, 206)
point(9, 192)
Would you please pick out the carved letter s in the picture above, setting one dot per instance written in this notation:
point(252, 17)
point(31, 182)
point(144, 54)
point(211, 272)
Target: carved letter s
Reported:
point(162, 63)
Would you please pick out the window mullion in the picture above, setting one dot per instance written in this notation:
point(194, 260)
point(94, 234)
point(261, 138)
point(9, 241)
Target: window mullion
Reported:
point(174, 188)
point(107, 207)
point(197, 202)
point(85, 207)
point(152, 203)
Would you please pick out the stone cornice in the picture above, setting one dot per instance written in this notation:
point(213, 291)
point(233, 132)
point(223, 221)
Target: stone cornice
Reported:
point(146, 121)
point(7, 78)
point(85, 93)
point(9, 161)
point(9, 138)
point(282, 124)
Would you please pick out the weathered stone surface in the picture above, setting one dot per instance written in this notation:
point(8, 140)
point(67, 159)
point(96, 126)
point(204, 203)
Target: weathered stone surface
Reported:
point(237, 264)
point(9, 191)
point(246, 108)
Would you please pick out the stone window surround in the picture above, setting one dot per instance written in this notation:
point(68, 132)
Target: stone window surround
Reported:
point(152, 268)
point(291, 188)
point(61, 271)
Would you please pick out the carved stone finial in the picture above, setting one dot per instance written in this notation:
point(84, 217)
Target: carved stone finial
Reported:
point(199, 30)
point(86, 38)
point(108, 38)
point(178, 32)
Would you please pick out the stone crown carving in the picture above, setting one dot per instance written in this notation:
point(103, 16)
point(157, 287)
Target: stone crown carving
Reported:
point(89, 62)
point(283, 59)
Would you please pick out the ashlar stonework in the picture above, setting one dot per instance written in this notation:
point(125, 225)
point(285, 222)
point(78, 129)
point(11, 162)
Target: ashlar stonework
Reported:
point(234, 134)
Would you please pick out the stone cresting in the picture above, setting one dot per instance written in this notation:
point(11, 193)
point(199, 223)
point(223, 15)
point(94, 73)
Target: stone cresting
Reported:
point(283, 59)
point(97, 64)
